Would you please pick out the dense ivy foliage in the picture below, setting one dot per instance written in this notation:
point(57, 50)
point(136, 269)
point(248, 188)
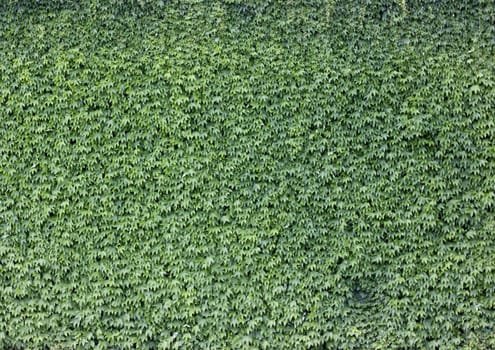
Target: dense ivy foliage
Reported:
point(223, 175)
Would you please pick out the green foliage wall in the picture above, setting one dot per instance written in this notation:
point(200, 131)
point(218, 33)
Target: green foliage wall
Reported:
point(208, 178)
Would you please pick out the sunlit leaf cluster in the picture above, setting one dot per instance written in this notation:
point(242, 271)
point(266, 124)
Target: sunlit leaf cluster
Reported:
point(247, 175)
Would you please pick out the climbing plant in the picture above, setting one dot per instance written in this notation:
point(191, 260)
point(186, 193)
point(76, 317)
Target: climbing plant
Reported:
point(220, 175)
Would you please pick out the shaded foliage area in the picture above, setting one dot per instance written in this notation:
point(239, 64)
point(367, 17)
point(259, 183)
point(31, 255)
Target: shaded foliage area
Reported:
point(225, 176)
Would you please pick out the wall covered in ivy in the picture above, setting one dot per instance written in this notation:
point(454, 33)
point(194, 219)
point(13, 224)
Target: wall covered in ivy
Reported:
point(258, 175)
